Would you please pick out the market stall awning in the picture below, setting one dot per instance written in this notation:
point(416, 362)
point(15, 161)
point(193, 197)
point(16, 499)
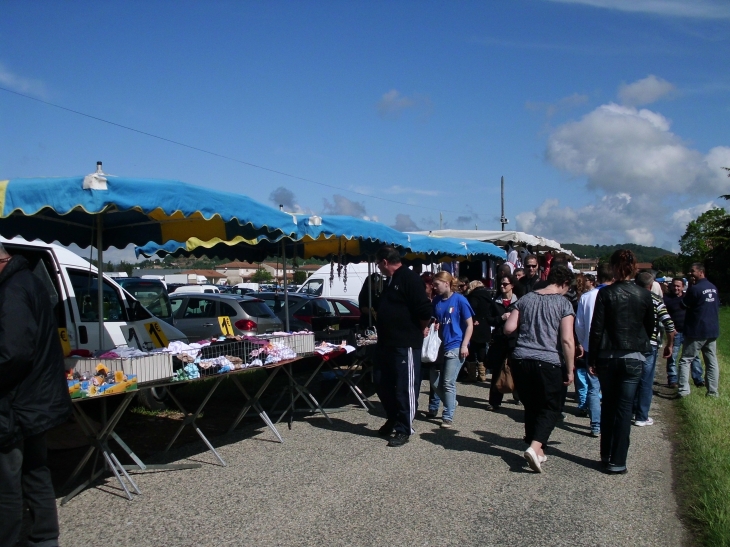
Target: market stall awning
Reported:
point(316, 237)
point(441, 249)
point(497, 237)
point(134, 211)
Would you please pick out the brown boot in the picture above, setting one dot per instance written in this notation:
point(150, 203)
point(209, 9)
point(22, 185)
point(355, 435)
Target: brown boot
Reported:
point(482, 371)
point(471, 371)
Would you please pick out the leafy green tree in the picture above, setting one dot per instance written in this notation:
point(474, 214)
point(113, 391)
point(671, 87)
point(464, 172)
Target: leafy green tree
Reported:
point(667, 264)
point(261, 276)
point(704, 235)
point(300, 276)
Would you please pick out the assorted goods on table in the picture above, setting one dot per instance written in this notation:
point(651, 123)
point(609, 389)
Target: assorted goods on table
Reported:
point(101, 381)
point(125, 368)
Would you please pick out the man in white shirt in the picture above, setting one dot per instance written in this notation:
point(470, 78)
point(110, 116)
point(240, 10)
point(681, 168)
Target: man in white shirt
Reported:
point(583, 318)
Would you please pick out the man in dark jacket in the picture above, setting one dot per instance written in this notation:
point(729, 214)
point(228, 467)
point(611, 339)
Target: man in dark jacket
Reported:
point(701, 329)
point(403, 314)
point(532, 274)
point(33, 399)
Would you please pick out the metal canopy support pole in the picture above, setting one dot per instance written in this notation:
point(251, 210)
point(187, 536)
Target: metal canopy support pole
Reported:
point(100, 276)
point(370, 295)
point(286, 293)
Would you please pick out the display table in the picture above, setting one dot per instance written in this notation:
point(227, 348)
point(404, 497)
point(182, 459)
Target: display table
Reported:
point(365, 356)
point(99, 441)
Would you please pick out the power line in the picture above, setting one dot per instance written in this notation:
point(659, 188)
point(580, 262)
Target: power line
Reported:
point(204, 151)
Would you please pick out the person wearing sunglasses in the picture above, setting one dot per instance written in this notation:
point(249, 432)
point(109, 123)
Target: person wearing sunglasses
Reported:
point(501, 345)
point(532, 274)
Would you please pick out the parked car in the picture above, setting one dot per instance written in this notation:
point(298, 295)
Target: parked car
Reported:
point(151, 293)
point(197, 289)
point(305, 312)
point(348, 312)
point(199, 315)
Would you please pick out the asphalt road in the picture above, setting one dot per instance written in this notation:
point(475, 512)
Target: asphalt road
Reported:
point(340, 485)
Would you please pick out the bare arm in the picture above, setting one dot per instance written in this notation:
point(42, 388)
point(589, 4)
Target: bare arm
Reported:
point(568, 343)
point(464, 350)
point(512, 323)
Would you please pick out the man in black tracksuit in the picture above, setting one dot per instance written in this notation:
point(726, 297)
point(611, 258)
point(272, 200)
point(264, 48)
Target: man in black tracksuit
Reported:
point(33, 399)
point(403, 314)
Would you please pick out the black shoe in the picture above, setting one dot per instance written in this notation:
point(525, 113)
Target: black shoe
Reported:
point(387, 429)
point(582, 413)
point(699, 384)
point(612, 472)
point(399, 439)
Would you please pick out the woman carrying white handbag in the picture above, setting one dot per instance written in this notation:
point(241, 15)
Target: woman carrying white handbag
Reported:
point(454, 318)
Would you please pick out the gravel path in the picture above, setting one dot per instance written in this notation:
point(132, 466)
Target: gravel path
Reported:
point(341, 485)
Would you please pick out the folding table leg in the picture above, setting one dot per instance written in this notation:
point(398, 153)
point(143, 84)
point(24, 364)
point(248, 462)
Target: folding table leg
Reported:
point(254, 402)
point(190, 419)
point(303, 391)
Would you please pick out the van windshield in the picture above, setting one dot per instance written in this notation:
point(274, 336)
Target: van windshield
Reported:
point(151, 295)
point(313, 287)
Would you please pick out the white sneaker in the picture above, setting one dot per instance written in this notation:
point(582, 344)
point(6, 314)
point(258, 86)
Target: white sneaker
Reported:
point(533, 460)
point(642, 423)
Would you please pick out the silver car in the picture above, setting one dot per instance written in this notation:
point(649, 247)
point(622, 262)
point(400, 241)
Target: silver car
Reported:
point(201, 316)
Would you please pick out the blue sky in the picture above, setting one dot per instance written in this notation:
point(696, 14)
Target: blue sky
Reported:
point(609, 119)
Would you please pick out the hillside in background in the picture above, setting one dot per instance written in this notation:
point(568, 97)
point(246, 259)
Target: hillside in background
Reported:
point(643, 253)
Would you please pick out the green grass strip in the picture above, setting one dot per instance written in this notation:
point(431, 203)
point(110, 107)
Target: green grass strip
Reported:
point(703, 456)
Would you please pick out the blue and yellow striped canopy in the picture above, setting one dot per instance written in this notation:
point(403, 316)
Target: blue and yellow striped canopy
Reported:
point(134, 211)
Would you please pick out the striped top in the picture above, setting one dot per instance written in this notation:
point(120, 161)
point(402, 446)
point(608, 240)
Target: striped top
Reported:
point(662, 316)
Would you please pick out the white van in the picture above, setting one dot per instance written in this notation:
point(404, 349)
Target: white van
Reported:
point(318, 284)
point(72, 283)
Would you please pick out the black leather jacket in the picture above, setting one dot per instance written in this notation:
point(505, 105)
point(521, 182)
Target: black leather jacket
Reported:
point(623, 320)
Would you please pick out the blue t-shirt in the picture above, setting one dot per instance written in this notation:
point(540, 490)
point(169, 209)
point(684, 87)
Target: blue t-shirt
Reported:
point(452, 314)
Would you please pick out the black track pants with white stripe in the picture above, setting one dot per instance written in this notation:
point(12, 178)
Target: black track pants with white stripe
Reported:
point(399, 385)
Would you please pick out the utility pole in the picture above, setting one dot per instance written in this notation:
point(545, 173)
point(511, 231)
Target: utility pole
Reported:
point(441, 221)
point(503, 219)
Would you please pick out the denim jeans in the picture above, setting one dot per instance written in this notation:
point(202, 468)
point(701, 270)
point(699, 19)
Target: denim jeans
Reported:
point(645, 391)
point(593, 401)
point(581, 385)
point(444, 381)
point(24, 475)
point(697, 373)
point(619, 380)
point(691, 348)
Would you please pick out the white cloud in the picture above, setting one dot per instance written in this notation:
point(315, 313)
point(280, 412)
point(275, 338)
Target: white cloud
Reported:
point(645, 91)
point(284, 196)
point(405, 190)
point(622, 149)
point(561, 105)
point(342, 206)
point(701, 9)
point(650, 182)
point(616, 218)
point(21, 84)
point(405, 223)
point(682, 217)
point(392, 104)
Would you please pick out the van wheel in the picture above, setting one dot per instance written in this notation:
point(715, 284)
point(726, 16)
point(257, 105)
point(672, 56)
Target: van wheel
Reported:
point(153, 398)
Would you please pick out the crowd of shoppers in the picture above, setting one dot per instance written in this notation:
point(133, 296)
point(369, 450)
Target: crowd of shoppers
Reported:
point(554, 327)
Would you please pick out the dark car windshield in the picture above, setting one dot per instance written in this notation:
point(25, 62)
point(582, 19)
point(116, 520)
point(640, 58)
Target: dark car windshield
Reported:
point(151, 295)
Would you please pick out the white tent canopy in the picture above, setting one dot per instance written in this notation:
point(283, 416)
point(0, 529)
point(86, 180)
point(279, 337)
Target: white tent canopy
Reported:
point(502, 238)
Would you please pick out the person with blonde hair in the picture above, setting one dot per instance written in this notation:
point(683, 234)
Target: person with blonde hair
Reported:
point(454, 318)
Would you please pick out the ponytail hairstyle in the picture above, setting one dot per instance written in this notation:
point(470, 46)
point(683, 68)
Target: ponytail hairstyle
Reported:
point(623, 262)
point(447, 278)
